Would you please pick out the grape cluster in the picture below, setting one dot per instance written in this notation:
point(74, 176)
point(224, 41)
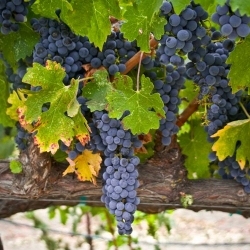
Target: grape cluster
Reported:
point(209, 72)
point(230, 168)
point(22, 137)
point(232, 24)
point(12, 12)
point(119, 171)
point(120, 174)
point(183, 32)
point(16, 78)
point(60, 44)
point(169, 87)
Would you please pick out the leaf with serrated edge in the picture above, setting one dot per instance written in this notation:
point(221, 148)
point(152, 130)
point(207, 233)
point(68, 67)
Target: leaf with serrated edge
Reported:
point(141, 20)
point(195, 147)
point(227, 143)
point(95, 13)
point(87, 166)
point(81, 128)
point(51, 125)
point(239, 60)
point(47, 8)
point(17, 45)
point(16, 99)
point(96, 91)
point(146, 109)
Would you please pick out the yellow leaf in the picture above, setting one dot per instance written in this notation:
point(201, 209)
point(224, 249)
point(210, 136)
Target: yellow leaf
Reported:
point(87, 166)
point(70, 169)
point(233, 140)
point(16, 99)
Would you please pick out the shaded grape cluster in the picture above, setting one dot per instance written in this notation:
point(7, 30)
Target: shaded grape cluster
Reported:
point(232, 23)
point(12, 12)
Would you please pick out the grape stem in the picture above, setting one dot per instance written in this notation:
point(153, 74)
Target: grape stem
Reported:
point(138, 74)
point(244, 109)
point(86, 78)
point(191, 108)
point(133, 61)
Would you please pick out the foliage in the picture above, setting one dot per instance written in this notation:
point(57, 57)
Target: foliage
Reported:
point(85, 217)
point(138, 102)
point(86, 166)
point(239, 64)
point(233, 138)
point(48, 106)
point(61, 99)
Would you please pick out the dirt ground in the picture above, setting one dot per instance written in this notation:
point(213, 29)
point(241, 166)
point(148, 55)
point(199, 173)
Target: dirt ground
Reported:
point(190, 231)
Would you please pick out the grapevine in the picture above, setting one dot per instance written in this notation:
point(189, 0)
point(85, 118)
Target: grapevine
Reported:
point(98, 98)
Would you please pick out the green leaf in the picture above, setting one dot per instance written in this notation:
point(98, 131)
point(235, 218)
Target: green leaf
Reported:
point(51, 125)
point(97, 90)
point(228, 141)
point(16, 167)
point(180, 5)
point(146, 109)
point(7, 146)
point(242, 5)
point(142, 19)
point(47, 8)
point(17, 45)
point(239, 73)
point(195, 147)
point(95, 18)
point(187, 94)
point(5, 120)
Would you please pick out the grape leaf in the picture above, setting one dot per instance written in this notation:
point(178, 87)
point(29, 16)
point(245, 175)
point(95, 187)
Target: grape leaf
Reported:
point(195, 147)
point(239, 60)
point(17, 45)
point(5, 120)
point(47, 8)
point(80, 128)
point(146, 109)
point(16, 167)
point(242, 5)
point(86, 166)
point(95, 15)
point(228, 141)
point(51, 125)
point(97, 90)
point(16, 100)
point(142, 19)
point(180, 5)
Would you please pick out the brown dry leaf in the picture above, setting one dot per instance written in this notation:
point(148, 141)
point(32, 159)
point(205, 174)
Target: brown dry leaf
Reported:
point(145, 138)
point(141, 150)
point(87, 166)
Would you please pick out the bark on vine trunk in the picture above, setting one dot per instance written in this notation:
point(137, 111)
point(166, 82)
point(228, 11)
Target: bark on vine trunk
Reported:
point(163, 182)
